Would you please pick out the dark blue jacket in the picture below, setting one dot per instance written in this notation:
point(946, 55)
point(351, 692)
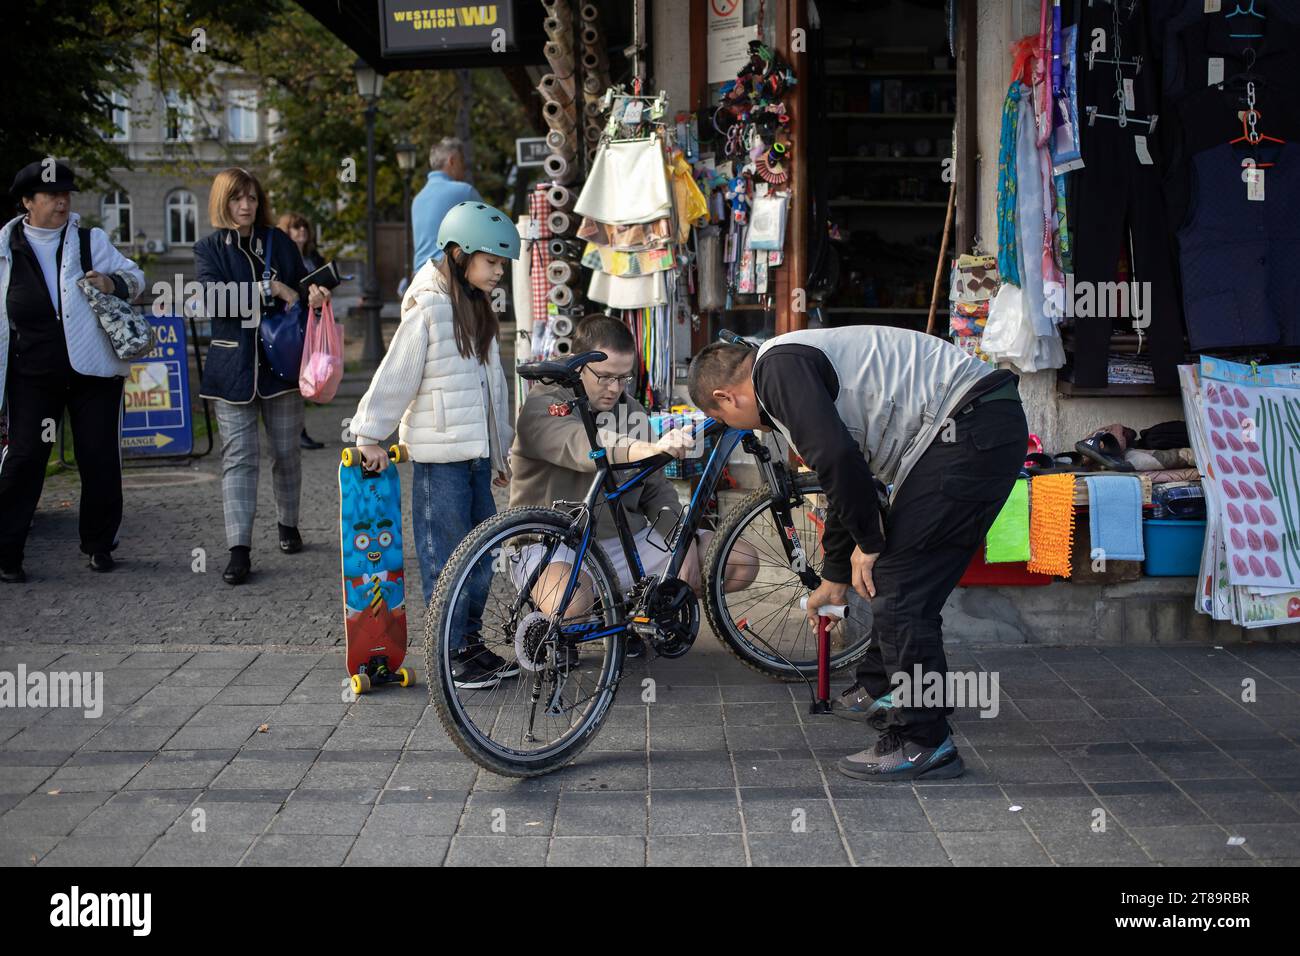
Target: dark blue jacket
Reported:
point(236, 370)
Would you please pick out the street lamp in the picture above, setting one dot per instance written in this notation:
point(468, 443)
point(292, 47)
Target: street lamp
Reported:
point(369, 84)
point(406, 154)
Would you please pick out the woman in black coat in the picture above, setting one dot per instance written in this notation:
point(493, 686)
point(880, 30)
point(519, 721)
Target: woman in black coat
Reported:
point(237, 375)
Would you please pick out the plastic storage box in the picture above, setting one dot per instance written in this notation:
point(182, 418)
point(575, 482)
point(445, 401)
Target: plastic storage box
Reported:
point(688, 467)
point(1173, 547)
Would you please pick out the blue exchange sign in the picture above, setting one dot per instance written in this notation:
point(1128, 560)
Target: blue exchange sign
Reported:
point(156, 400)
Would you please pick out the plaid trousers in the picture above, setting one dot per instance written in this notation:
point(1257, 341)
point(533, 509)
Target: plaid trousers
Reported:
point(240, 459)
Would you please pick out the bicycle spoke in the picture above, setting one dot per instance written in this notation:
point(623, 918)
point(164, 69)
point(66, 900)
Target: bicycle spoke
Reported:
point(504, 716)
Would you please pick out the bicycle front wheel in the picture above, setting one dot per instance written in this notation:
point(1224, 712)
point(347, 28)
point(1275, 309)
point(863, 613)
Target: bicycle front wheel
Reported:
point(752, 594)
point(546, 688)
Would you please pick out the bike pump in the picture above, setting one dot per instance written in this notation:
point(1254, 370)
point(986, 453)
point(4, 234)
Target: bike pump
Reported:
point(822, 703)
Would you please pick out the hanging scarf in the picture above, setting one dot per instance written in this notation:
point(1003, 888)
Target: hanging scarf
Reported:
point(1008, 245)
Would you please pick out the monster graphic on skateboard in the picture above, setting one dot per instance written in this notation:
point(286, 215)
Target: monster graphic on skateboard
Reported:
point(374, 586)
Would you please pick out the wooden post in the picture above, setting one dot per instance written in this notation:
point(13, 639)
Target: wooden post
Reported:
point(793, 273)
point(967, 127)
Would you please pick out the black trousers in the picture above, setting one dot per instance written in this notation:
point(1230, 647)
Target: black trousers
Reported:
point(36, 405)
point(936, 523)
point(1118, 199)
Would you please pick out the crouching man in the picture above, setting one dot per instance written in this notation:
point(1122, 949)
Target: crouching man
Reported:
point(948, 433)
point(551, 460)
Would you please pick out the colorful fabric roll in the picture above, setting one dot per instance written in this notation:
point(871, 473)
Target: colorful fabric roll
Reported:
point(1008, 539)
point(1051, 524)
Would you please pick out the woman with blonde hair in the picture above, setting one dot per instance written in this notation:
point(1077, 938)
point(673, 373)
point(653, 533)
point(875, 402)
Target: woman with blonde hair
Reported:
point(237, 374)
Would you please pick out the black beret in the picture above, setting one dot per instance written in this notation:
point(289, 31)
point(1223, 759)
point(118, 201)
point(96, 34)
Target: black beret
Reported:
point(36, 178)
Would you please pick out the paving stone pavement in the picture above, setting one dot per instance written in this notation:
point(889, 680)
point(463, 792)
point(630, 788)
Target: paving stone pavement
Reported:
point(724, 768)
point(1109, 755)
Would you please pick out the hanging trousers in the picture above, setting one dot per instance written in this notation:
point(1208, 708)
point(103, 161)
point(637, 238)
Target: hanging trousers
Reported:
point(935, 525)
point(36, 405)
point(1118, 203)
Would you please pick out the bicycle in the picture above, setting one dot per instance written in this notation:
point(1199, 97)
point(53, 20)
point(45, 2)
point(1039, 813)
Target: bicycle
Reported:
point(570, 650)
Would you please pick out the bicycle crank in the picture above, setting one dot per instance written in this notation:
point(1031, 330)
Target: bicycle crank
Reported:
point(670, 619)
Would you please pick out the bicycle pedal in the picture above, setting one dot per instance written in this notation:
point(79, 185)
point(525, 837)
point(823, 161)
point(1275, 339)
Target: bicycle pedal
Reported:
point(644, 627)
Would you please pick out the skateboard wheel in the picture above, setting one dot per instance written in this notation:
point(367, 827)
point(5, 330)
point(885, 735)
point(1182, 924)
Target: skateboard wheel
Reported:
point(407, 674)
point(360, 684)
point(349, 455)
point(397, 453)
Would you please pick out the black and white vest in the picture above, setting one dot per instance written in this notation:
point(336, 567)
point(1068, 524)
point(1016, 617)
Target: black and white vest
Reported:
point(897, 388)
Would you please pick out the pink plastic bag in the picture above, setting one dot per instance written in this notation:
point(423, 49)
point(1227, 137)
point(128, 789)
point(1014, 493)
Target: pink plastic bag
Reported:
point(322, 356)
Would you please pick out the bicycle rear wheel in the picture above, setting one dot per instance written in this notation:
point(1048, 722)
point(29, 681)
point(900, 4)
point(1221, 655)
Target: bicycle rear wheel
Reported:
point(539, 720)
point(762, 623)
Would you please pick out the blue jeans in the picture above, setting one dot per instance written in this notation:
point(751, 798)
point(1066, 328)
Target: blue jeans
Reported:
point(447, 501)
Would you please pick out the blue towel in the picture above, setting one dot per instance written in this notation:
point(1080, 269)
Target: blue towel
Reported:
point(1115, 516)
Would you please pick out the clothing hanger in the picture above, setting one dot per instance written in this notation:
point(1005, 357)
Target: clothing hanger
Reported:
point(1251, 133)
point(651, 109)
point(1251, 12)
point(1121, 117)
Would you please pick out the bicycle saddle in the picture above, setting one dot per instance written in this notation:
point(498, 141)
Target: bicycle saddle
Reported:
point(559, 372)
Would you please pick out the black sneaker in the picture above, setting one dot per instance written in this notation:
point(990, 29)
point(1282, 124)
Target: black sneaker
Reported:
point(468, 672)
point(102, 561)
point(492, 661)
point(290, 539)
point(306, 441)
point(14, 575)
point(635, 648)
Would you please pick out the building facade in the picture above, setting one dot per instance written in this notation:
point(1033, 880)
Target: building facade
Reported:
point(174, 146)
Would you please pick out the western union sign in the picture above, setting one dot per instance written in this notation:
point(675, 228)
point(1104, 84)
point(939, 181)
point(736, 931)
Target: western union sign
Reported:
point(412, 26)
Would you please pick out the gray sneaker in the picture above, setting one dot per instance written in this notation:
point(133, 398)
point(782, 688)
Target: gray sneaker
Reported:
point(856, 703)
point(893, 758)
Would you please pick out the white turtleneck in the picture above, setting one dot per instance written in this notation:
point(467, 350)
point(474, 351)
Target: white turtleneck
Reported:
point(45, 243)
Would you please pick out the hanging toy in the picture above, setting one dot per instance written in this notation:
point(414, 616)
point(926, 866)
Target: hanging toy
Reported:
point(772, 165)
point(738, 195)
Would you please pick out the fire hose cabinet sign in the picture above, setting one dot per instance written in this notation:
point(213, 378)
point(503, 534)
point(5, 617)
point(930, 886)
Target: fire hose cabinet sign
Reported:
point(156, 398)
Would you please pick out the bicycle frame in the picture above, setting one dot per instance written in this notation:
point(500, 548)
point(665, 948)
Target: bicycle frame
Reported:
point(606, 490)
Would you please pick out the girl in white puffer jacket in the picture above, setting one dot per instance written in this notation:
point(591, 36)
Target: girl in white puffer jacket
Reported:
point(441, 384)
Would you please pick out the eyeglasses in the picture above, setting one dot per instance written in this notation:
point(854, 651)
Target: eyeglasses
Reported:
point(622, 381)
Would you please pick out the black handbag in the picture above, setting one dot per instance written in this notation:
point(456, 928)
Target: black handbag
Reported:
point(284, 331)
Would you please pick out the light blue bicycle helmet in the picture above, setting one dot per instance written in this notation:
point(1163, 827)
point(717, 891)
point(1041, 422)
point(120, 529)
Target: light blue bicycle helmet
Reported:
point(477, 227)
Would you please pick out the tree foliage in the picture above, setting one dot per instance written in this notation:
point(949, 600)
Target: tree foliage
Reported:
point(66, 57)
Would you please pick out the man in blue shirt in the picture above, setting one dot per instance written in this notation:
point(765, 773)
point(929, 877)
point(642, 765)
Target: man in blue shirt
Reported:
point(444, 189)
